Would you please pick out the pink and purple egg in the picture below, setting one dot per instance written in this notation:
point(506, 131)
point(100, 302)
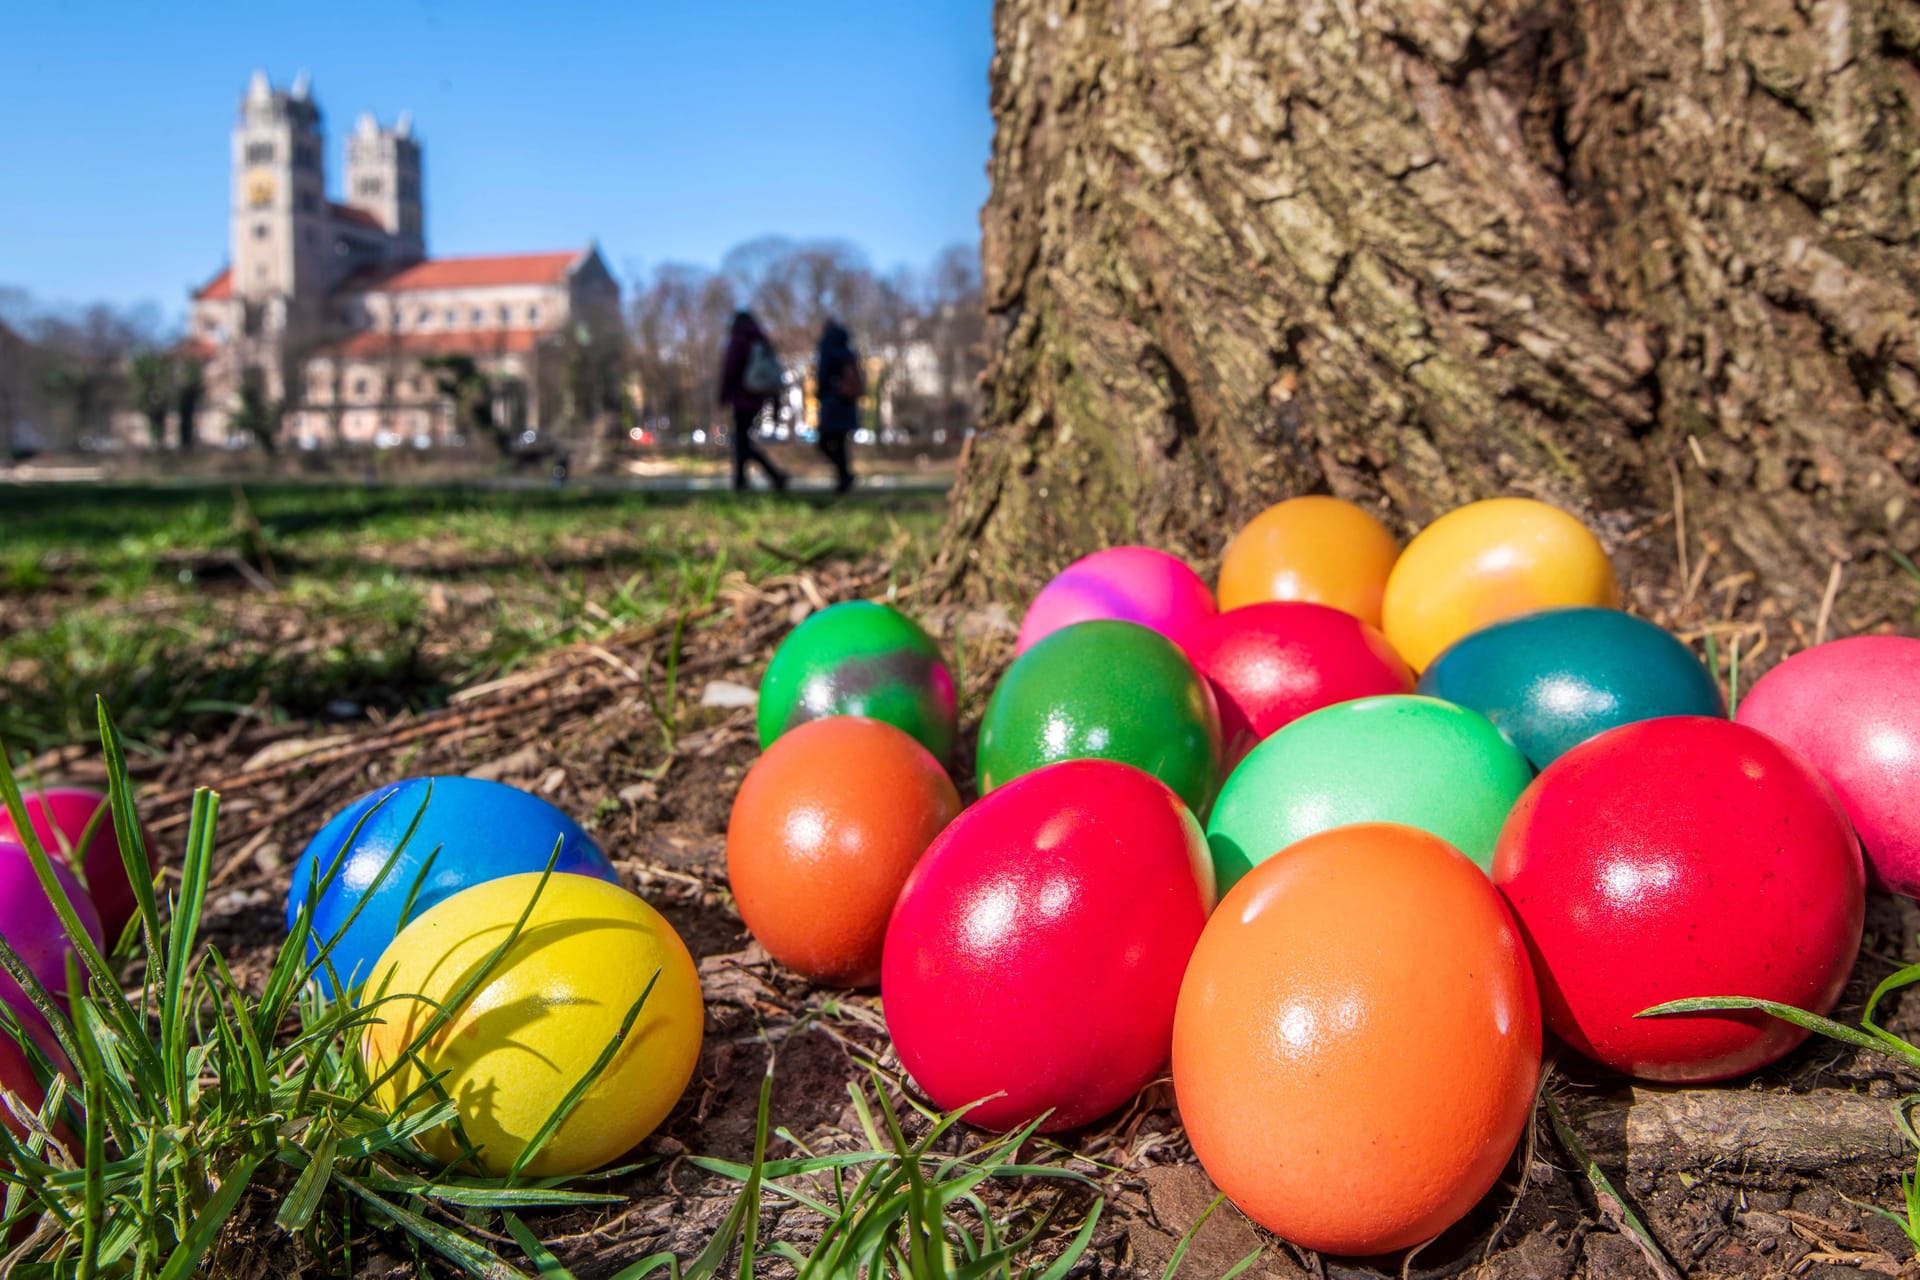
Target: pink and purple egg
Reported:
point(32, 928)
point(1131, 584)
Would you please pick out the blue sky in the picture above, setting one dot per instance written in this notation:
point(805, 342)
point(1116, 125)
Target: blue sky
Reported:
point(669, 130)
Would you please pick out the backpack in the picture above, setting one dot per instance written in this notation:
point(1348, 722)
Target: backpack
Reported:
point(763, 375)
point(852, 383)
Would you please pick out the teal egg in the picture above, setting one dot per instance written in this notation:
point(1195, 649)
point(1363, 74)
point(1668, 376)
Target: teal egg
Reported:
point(1398, 758)
point(1552, 680)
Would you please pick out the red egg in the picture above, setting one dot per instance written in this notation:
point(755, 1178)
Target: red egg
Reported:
point(75, 825)
point(1853, 708)
point(1037, 949)
point(1272, 663)
point(1680, 857)
point(17, 1076)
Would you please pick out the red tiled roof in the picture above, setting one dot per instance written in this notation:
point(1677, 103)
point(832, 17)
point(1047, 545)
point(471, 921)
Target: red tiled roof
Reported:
point(470, 273)
point(474, 342)
point(359, 217)
point(221, 286)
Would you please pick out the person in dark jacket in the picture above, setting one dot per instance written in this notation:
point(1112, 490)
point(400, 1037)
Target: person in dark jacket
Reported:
point(746, 402)
point(839, 383)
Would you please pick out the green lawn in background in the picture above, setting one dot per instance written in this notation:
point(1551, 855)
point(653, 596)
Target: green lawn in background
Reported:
point(388, 597)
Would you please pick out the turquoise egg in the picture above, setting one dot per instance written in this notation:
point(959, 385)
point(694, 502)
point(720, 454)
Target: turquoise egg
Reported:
point(1551, 680)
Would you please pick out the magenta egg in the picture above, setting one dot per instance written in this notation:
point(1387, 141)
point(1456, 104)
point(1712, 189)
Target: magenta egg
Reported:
point(1852, 707)
point(76, 825)
point(32, 928)
point(1132, 584)
point(1035, 955)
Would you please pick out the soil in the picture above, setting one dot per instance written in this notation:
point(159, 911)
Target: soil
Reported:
point(1762, 1177)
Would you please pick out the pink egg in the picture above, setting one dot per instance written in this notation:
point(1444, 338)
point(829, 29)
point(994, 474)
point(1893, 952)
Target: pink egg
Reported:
point(31, 926)
point(1852, 707)
point(1132, 584)
point(61, 817)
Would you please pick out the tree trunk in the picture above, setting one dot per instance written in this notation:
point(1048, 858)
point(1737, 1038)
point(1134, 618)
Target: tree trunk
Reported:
point(1417, 252)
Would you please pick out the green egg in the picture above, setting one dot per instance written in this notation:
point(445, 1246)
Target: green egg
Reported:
point(860, 659)
point(1400, 758)
point(1104, 690)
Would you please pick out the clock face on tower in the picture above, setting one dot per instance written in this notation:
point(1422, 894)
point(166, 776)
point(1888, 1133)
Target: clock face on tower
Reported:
point(259, 188)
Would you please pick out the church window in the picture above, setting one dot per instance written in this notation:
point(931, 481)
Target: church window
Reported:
point(259, 231)
point(423, 318)
point(506, 317)
point(367, 186)
point(533, 315)
point(479, 316)
point(360, 387)
point(453, 317)
point(259, 153)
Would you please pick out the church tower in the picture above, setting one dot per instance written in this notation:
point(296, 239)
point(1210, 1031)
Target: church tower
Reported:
point(279, 201)
point(383, 178)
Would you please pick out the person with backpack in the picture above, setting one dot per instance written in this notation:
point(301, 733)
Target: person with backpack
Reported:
point(750, 378)
point(839, 383)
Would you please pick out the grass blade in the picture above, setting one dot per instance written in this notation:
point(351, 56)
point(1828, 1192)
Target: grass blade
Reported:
point(212, 1217)
point(1610, 1199)
point(580, 1087)
point(542, 1257)
point(1892, 1048)
point(304, 1199)
point(464, 1253)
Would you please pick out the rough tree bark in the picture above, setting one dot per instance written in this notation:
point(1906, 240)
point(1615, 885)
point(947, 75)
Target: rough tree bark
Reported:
point(1415, 252)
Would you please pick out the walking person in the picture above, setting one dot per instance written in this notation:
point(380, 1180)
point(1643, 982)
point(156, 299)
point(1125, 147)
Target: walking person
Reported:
point(839, 383)
point(750, 377)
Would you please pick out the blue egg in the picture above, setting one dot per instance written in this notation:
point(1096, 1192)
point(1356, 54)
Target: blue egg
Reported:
point(469, 832)
point(1553, 679)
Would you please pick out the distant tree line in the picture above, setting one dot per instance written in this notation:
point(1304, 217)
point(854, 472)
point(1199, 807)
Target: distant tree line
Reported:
point(66, 375)
point(69, 378)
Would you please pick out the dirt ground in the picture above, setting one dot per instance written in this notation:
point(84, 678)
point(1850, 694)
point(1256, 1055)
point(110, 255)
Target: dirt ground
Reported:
point(1762, 1177)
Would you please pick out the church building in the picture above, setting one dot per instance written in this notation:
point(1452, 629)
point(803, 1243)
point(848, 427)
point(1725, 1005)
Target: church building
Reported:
point(329, 306)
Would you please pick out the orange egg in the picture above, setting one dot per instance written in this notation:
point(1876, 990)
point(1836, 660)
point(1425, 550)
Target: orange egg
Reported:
point(1487, 561)
point(1318, 549)
point(1358, 1040)
point(824, 831)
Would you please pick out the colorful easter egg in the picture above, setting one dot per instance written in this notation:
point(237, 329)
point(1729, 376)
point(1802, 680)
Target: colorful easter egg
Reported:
point(1037, 948)
point(1269, 664)
point(1487, 561)
point(538, 1022)
point(1553, 679)
point(1675, 858)
point(1317, 549)
point(32, 928)
point(469, 831)
point(19, 1076)
point(1852, 708)
point(1400, 758)
point(860, 659)
point(1110, 691)
point(824, 831)
point(1358, 1040)
point(75, 825)
point(1130, 584)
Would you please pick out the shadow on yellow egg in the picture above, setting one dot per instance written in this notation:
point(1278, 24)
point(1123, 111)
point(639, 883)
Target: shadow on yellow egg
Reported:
point(536, 1025)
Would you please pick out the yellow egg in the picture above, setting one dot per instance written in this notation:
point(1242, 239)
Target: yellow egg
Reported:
point(1487, 561)
point(536, 1025)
